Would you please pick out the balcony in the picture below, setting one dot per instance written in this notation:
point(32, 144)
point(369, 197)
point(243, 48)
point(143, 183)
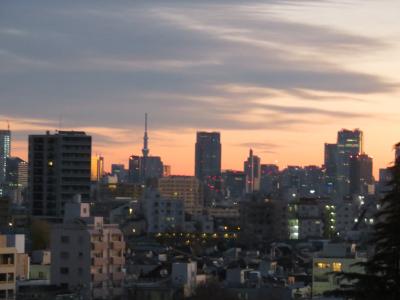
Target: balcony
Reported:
point(117, 260)
point(7, 268)
point(98, 261)
point(118, 245)
point(99, 246)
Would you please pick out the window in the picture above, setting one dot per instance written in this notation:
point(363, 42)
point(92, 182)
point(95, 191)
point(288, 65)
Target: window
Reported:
point(322, 265)
point(337, 267)
point(64, 255)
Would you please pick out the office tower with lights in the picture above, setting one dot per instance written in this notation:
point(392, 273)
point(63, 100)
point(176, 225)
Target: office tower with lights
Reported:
point(252, 169)
point(16, 179)
point(349, 143)
point(59, 169)
point(5, 149)
point(207, 155)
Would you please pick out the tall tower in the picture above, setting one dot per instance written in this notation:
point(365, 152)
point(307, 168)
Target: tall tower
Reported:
point(145, 149)
point(207, 155)
point(5, 149)
point(349, 143)
point(252, 169)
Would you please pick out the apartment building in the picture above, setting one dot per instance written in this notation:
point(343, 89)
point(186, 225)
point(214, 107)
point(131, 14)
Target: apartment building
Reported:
point(186, 188)
point(14, 264)
point(87, 254)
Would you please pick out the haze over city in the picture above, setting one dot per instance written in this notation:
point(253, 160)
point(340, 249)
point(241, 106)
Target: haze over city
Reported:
point(281, 77)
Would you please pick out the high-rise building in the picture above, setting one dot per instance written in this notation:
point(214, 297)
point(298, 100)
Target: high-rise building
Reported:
point(349, 143)
point(5, 150)
point(97, 168)
point(87, 254)
point(59, 169)
point(361, 178)
point(134, 169)
point(252, 169)
point(234, 184)
point(207, 155)
point(152, 167)
point(17, 172)
point(16, 179)
point(269, 178)
point(187, 188)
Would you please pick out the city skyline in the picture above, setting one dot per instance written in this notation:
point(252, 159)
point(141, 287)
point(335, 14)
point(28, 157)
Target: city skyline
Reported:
point(127, 162)
point(281, 77)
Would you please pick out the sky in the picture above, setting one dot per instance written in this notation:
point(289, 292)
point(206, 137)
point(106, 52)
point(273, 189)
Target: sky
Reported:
point(279, 76)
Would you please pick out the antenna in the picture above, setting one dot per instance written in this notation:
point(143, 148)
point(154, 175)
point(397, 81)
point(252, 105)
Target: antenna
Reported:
point(145, 149)
point(8, 125)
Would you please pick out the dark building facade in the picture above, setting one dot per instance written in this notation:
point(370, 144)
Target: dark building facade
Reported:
point(360, 174)
point(207, 155)
point(134, 169)
point(119, 171)
point(264, 220)
point(234, 183)
point(269, 182)
point(59, 169)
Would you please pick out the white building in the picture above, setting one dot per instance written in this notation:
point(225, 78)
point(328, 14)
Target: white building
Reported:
point(87, 255)
point(162, 214)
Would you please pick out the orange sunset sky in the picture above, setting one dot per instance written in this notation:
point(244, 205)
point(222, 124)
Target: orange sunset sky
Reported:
point(281, 77)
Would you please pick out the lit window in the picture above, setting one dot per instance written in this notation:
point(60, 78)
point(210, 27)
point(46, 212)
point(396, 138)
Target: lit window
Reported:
point(322, 265)
point(337, 267)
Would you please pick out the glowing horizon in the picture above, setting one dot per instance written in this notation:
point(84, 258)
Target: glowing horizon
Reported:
point(281, 76)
